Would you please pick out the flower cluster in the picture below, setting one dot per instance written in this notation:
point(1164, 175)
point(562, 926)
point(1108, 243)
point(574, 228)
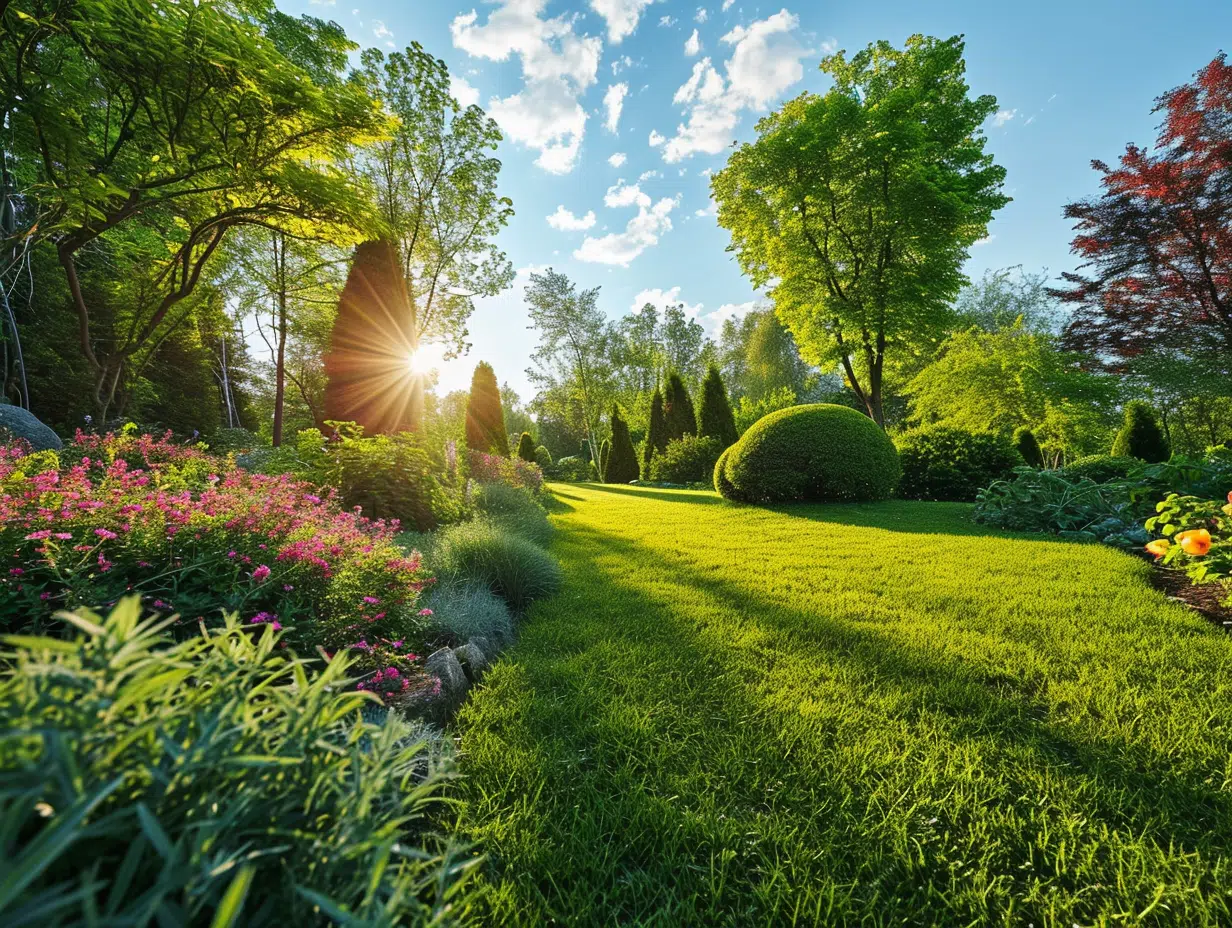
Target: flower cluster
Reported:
point(195, 536)
point(391, 670)
point(492, 468)
point(1197, 537)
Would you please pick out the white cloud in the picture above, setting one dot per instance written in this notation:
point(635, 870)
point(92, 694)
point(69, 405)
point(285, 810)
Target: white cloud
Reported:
point(565, 221)
point(641, 232)
point(693, 44)
point(661, 299)
point(462, 91)
point(617, 159)
point(380, 31)
point(711, 210)
point(621, 64)
point(701, 15)
point(621, 16)
point(613, 103)
point(705, 172)
point(983, 241)
point(765, 61)
point(714, 321)
point(1001, 117)
point(727, 5)
point(557, 67)
point(655, 139)
point(667, 21)
point(647, 175)
point(326, 3)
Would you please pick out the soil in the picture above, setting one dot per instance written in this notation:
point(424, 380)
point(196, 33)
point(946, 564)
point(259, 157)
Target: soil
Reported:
point(1206, 598)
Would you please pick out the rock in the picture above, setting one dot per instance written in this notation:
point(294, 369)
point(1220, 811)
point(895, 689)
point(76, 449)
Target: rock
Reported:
point(473, 660)
point(444, 665)
point(484, 645)
point(21, 423)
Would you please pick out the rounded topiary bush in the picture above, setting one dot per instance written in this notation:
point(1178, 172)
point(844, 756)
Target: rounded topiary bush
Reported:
point(685, 460)
point(814, 452)
point(722, 485)
point(944, 463)
point(1141, 436)
point(1100, 467)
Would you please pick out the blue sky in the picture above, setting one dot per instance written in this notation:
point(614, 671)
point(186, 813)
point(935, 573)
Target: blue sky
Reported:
point(615, 112)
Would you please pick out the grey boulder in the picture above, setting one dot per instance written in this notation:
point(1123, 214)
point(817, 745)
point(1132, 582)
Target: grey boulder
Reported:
point(472, 659)
point(21, 423)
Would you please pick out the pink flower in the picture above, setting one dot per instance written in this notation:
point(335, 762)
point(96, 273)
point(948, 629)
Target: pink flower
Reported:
point(261, 574)
point(372, 600)
point(425, 612)
point(105, 534)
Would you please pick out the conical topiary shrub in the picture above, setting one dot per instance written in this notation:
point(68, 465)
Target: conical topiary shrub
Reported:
point(1028, 447)
point(622, 461)
point(656, 433)
point(715, 418)
point(678, 409)
point(1141, 437)
point(526, 448)
point(605, 452)
point(485, 420)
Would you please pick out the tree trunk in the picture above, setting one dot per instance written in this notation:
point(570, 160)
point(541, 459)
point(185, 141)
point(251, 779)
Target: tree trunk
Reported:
point(280, 366)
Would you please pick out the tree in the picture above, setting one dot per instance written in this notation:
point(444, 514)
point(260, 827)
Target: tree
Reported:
point(605, 454)
point(1028, 446)
point(622, 461)
point(859, 206)
point(656, 432)
point(683, 340)
point(368, 366)
point(526, 448)
point(517, 418)
point(149, 132)
point(572, 359)
point(678, 415)
point(485, 420)
point(435, 178)
point(1140, 436)
point(715, 418)
point(1157, 244)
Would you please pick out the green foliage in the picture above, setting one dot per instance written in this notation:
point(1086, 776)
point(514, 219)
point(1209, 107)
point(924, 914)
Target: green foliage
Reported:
point(749, 411)
point(687, 460)
point(814, 452)
point(514, 568)
point(221, 780)
point(543, 457)
point(485, 419)
point(1077, 508)
point(605, 453)
point(715, 418)
point(950, 464)
point(621, 466)
point(1101, 468)
point(514, 509)
point(656, 433)
point(679, 419)
point(1197, 537)
point(572, 469)
point(526, 448)
point(465, 610)
point(1140, 436)
point(1027, 446)
point(894, 149)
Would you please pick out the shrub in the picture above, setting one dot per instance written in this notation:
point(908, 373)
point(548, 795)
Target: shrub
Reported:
point(485, 418)
point(543, 457)
point(573, 469)
point(491, 468)
point(656, 432)
point(605, 453)
point(686, 460)
point(814, 452)
point(715, 418)
point(1197, 537)
point(678, 417)
point(749, 411)
point(1076, 508)
point(1140, 436)
point(465, 610)
point(1028, 446)
point(722, 485)
point(622, 463)
point(286, 804)
point(526, 448)
point(1100, 468)
point(517, 570)
point(225, 440)
point(266, 547)
point(945, 463)
point(514, 509)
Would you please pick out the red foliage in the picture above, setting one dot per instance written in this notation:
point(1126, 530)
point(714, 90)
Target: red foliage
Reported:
point(1157, 243)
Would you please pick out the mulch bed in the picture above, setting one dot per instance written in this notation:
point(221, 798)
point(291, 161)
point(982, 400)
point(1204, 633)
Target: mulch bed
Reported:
point(1206, 598)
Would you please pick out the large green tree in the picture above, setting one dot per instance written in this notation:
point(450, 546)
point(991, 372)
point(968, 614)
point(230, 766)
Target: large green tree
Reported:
point(714, 415)
point(859, 206)
point(485, 419)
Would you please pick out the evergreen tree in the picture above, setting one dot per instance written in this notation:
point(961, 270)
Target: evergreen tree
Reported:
point(605, 453)
point(715, 418)
point(622, 460)
point(526, 448)
point(678, 409)
point(1028, 446)
point(485, 419)
point(1140, 436)
point(656, 434)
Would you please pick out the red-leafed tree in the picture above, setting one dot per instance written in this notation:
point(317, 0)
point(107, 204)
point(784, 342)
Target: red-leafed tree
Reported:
point(1157, 243)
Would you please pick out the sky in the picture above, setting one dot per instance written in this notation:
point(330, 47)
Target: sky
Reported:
point(616, 112)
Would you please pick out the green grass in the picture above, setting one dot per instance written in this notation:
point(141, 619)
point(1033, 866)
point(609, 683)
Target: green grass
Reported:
point(874, 714)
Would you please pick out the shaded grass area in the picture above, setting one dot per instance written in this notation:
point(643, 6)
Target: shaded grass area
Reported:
point(861, 715)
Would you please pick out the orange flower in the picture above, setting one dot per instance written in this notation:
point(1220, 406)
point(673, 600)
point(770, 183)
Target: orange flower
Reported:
point(1159, 547)
point(1196, 542)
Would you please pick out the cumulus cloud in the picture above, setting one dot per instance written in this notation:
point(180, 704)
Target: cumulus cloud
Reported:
point(667, 21)
point(647, 175)
point(617, 159)
point(661, 299)
point(380, 30)
point(621, 16)
point(711, 210)
point(557, 67)
point(1001, 117)
point(613, 103)
point(701, 15)
point(727, 5)
point(462, 91)
point(641, 232)
point(622, 63)
point(564, 220)
point(693, 44)
point(765, 61)
point(656, 139)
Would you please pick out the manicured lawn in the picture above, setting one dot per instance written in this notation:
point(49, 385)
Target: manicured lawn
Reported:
point(862, 714)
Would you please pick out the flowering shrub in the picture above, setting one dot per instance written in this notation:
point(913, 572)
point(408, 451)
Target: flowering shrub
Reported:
point(1197, 537)
point(492, 468)
point(192, 534)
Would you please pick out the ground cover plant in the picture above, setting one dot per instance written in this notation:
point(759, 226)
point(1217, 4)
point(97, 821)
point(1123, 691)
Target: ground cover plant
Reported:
point(933, 724)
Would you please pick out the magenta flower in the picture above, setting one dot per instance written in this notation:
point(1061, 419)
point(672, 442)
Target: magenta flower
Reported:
point(261, 574)
point(425, 612)
point(105, 534)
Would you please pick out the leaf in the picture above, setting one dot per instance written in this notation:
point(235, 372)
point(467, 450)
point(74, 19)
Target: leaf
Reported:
point(233, 899)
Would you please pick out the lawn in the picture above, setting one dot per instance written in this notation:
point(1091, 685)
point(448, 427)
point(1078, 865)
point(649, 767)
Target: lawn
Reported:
point(874, 714)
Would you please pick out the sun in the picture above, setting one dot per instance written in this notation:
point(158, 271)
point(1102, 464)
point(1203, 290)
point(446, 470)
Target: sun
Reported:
point(427, 357)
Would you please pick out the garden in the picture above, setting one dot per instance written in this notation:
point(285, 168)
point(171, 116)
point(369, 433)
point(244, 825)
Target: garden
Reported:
point(897, 598)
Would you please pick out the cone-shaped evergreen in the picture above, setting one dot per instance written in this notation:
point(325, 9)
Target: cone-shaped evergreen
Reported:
point(485, 420)
point(678, 409)
point(1140, 436)
point(605, 453)
point(656, 434)
point(715, 418)
point(622, 462)
point(526, 448)
point(1028, 447)
point(368, 371)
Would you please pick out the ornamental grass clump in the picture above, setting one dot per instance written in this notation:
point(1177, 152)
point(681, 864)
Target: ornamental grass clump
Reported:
point(514, 568)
